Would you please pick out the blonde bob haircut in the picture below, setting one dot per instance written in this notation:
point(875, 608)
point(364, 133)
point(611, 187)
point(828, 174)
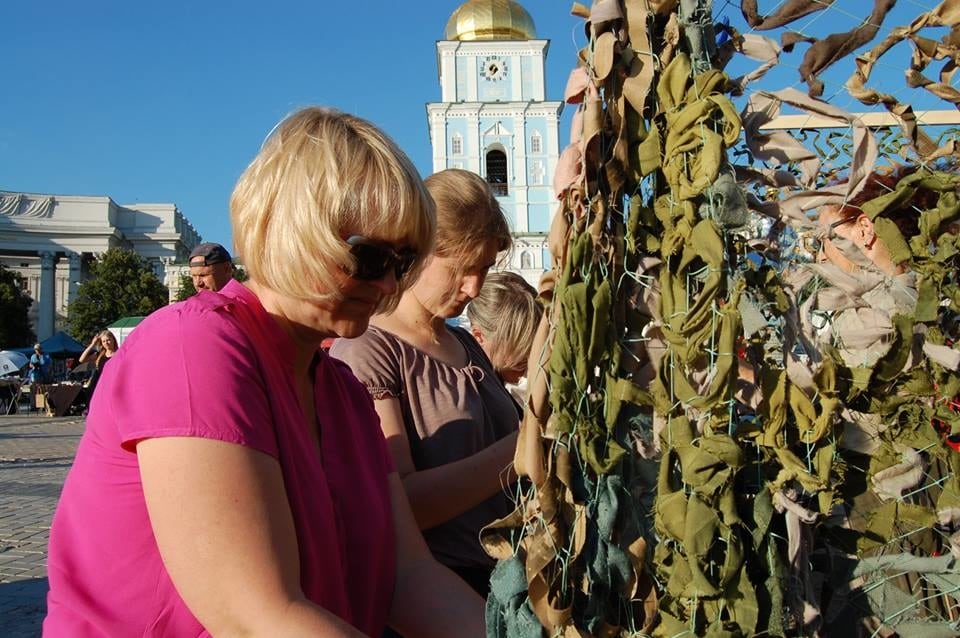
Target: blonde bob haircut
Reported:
point(507, 312)
point(468, 216)
point(320, 177)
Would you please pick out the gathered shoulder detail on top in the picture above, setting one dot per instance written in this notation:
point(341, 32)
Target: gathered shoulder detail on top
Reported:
point(376, 359)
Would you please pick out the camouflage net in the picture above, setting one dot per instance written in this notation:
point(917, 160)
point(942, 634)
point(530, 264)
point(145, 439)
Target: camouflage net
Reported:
point(722, 437)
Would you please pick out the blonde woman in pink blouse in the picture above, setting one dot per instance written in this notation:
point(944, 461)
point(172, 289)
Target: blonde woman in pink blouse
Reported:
point(232, 479)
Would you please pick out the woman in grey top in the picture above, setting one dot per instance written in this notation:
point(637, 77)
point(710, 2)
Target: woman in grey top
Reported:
point(448, 420)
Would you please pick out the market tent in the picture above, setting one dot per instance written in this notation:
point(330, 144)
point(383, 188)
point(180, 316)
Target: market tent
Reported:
point(122, 327)
point(61, 344)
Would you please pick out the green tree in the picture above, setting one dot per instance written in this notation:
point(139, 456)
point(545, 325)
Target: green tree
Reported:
point(121, 284)
point(15, 331)
point(186, 289)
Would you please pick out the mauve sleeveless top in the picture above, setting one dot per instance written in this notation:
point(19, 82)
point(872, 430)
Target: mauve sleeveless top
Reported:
point(450, 413)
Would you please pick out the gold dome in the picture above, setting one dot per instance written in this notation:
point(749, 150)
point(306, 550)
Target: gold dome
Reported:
point(490, 20)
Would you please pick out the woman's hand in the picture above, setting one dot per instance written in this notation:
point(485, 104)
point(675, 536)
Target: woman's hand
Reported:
point(87, 354)
point(446, 491)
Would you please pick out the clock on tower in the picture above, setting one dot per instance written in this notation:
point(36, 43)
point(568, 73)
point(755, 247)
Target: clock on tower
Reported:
point(494, 68)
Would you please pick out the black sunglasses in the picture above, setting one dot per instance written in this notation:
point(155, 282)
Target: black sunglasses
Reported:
point(831, 230)
point(374, 259)
point(851, 217)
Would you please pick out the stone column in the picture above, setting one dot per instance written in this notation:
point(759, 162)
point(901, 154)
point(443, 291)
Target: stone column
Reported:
point(157, 267)
point(75, 273)
point(46, 310)
point(170, 277)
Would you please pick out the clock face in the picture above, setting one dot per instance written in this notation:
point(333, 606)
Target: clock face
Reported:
point(494, 68)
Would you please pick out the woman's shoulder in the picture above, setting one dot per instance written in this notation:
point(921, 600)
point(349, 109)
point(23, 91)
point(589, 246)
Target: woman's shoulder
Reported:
point(462, 333)
point(473, 348)
point(374, 342)
point(342, 370)
point(376, 358)
point(196, 306)
point(203, 321)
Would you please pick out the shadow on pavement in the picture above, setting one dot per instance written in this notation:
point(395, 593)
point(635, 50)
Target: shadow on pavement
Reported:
point(23, 604)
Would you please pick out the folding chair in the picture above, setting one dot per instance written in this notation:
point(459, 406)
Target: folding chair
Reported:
point(14, 393)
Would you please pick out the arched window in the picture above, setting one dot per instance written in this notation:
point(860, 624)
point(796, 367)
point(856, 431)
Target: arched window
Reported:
point(526, 260)
point(497, 172)
point(536, 143)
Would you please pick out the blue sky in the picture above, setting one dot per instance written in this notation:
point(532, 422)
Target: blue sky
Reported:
point(168, 101)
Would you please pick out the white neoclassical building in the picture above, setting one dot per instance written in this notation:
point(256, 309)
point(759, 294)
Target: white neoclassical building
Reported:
point(51, 239)
point(494, 118)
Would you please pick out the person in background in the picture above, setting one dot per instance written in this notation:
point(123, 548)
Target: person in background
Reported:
point(856, 262)
point(232, 479)
point(211, 267)
point(39, 367)
point(504, 319)
point(38, 374)
point(102, 347)
point(450, 424)
point(881, 250)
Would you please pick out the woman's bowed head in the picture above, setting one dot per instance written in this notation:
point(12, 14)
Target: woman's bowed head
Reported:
point(333, 241)
point(504, 319)
point(471, 234)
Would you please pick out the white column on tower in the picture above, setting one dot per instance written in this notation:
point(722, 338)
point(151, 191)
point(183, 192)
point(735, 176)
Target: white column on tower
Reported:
point(474, 148)
point(521, 223)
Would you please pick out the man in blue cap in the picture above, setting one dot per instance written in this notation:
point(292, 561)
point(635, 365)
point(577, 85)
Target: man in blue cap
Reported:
point(210, 267)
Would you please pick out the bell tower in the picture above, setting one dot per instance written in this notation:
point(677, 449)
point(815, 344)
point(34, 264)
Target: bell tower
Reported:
point(493, 118)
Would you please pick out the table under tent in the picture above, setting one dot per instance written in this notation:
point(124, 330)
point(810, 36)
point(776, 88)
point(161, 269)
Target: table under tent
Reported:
point(63, 395)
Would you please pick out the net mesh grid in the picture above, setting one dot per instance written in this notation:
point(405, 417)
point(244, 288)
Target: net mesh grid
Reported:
point(592, 491)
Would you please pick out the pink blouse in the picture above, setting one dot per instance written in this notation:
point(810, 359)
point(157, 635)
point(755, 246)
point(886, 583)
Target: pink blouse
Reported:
point(217, 366)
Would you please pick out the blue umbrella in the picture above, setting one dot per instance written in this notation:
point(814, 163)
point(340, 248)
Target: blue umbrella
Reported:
point(11, 362)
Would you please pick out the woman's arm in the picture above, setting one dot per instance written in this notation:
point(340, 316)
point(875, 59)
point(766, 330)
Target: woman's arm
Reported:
point(442, 493)
point(90, 351)
point(220, 516)
point(430, 601)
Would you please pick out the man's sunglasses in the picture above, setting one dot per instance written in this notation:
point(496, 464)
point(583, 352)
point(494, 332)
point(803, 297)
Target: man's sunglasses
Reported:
point(831, 230)
point(846, 219)
point(374, 259)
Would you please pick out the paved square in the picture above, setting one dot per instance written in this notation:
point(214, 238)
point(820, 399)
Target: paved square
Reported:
point(35, 454)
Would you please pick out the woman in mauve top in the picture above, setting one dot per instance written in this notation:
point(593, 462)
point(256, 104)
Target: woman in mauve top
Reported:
point(232, 479)
point(450, 424)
